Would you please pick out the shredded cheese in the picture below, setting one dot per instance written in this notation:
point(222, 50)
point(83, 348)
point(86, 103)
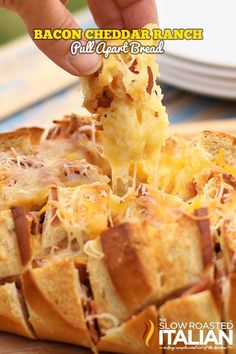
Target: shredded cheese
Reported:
point(112, 320)
point(91, 251)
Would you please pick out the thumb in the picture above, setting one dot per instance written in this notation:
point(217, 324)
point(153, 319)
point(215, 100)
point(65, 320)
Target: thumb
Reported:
point(52, 14)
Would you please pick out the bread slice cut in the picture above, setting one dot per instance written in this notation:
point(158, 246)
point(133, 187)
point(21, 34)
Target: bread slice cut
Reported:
point(52, 294)
point(166, 259)
point(15, 243)
point(138, 335)
point(193, 308)
point(143, 265)
point(12, 313)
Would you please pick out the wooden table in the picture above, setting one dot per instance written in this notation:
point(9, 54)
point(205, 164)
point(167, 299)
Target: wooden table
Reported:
point(10, 344)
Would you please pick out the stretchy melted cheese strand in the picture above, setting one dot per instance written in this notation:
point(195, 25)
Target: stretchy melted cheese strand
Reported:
point(125, 97)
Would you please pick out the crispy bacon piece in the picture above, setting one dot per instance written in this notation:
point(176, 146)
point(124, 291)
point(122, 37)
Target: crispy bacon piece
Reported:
point(229, 179)
point(205, 236)
point(54, 196)
point(133, 66)
point(150, 81)
point(67, 127)
point(192, 188)
point(105, 100)
point(22, 233)
point(35, 222)
point(88, 302)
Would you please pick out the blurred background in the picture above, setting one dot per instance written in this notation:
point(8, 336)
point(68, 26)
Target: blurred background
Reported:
point(12, 27)
point(198, 78)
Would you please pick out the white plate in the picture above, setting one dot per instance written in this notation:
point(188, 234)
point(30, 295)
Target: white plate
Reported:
point(216, 17)
point(198, 84)
point(201, 79)
point(198, 68)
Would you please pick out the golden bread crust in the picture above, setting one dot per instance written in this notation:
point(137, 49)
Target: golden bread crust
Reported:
point(53, 299)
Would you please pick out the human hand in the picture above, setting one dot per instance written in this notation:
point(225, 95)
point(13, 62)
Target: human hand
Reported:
point(53, 14)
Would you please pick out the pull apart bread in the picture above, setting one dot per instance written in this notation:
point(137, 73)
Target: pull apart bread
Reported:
point(94, 249)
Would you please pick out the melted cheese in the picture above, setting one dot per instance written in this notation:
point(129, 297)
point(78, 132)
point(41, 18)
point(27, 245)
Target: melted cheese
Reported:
point(128, 101)
point(81, 213)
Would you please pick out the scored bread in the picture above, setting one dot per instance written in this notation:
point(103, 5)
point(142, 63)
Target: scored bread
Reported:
point(13, 316)
point(148, 274)
point(130, 337)
point(93, 267)
point(54, 303)
point(15, 247)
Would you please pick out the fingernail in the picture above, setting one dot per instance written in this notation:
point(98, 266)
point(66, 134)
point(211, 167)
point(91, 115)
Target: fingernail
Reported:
point(85, 64)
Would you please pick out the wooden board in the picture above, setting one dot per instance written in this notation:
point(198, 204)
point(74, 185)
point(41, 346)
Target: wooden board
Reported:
point(10, 344)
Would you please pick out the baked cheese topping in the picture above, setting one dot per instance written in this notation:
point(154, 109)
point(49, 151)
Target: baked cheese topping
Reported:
point(126, 99)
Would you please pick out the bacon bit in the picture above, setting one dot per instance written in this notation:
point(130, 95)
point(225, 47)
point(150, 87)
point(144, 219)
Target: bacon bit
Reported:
point(128, 98)
point(105, 100)
point(202, 285)
point(88, 303)
point(133, 66)
point(35, 223)
point(22, 233)
point(205, 236)
point(150, 81)
point(67, 127)
point(192, 188)
point(39, 262)
point(116, 81)
point(54, 196)
point(230, 179)
point(72, 170)
point(83, 274)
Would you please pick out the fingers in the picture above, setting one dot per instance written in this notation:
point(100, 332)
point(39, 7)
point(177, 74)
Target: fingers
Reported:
point(106, 13)
point(138, 13)
point(123, 13)
point(51, 14)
